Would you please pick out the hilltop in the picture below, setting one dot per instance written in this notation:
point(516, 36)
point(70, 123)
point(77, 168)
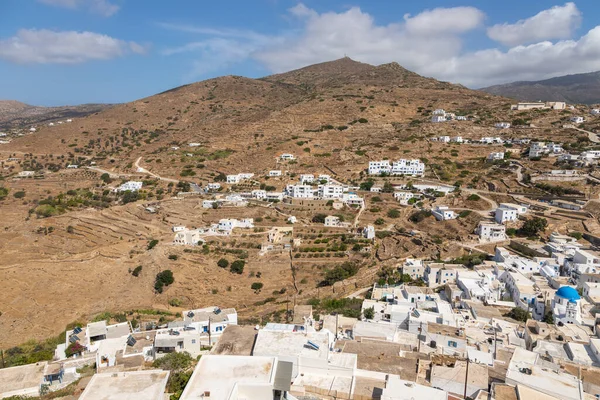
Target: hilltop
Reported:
point(15, 114)
point(574, 89)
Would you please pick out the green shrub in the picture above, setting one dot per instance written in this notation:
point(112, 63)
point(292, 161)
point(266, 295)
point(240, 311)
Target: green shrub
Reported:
point(256, 286)
point(223, 263)
point(19, 195)
point(164, 278)
point(152, 244)
point(473, 197)
point(173, 257)
point(137, 270)
point(237, 267)
point(393, 213)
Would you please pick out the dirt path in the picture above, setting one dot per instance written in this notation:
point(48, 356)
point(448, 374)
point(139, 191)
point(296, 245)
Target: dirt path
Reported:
point(145, 171)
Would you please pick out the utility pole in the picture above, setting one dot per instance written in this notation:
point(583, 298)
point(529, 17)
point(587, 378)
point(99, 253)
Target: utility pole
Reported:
point(419, 338)
point(495, 341)
point(209, 335)
point(466, 378)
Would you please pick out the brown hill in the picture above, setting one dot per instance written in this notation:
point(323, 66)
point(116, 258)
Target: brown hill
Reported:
point(574, 89)
point(14, 114)
point(334, 117)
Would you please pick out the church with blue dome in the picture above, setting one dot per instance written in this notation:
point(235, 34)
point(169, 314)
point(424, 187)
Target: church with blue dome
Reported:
point(566, 306)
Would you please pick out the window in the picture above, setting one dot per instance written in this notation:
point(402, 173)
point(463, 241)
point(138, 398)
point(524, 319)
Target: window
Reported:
point(452, 343)
point(205, 329)
point(193, 341)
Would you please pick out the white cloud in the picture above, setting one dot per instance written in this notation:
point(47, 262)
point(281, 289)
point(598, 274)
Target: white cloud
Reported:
point(444, 20)
point(31, 46)
point(555, 23)
point(429, 43)
point(100, 7)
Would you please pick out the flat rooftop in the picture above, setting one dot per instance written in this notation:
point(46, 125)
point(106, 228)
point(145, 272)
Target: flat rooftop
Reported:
point(219, 374)
point(22, 377)
point(147, 385)
point(236, 340)
point(290, 344)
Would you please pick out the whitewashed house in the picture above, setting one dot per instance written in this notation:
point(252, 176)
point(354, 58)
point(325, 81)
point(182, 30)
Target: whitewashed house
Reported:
point(213, 186)
point(194, 144)
point(72, 166)
point(439, 111)
point(274, 196)
point(287, 157)
point(490, 232)
point(461, 118)
point(403, 197)
point(132, 186)
point(457, 139)
point(442, 213)
point(508, 212)
point(444, 139)
point(595, 111)
point(578, 120)
point(188, 237)
point(502, 125)
point(230, 224)
point(233, 179)
point(324, 179)
point(412, 167)
point(332, 221)
point(25, 174)
point(307, 178)
point(369, 232)
point(352, 199)
point(330, 191)
point(494, 156)
point(438, 118)
point(178, 228)
point(275, 172)
point(300, 191)
point(32, 129)
point(259, 194)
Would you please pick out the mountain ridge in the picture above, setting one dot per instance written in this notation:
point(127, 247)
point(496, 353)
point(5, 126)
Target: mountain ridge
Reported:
point(574, 88)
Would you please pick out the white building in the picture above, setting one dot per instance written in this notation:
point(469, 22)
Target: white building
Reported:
point(439, 111)
point(502, 125)
point(132, 186)
point(444, 139)
point(307, 178)
point(275, 172)
point(566, 306)
point(403, 197)
point(508, 212)
point(324, 178)
point(287, 157)
point(412, 167)
point(457, 139)
point(490, 232)
point(369, 232)
point(442, 213)
point(32, 129)
point(595, 111)
point(352, 199)
point(188, 237)
point(233, 179)
point(230, 377)
point(495, 156)
point(461, 118)
point(332, 221)
point(300, 191)
point(578, 120)
point(25, 174)
point(438, 118)
point(330, 191)
point(230, 224)
point(210, 319)
point(72, 166)
point(259, 194)
point(213, 186)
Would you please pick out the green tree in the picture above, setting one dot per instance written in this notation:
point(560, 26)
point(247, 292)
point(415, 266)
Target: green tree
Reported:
point(533, 226)
point(379, 221)
point(319, 218)
point(387, 187)
point(152, 244)
point(518, 314)
point(367, 185)
point(19, 195)
point(256, 286)
point(473, 197)
point(223, 263)
point(164, 278)
point(3, 192)
point(549, 318)
point(369, 313)
point(105, 177)
point(237, 267)
point(136, 271)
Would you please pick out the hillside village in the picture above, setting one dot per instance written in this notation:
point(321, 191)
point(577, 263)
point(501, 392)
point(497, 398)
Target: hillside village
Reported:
point(342, 231)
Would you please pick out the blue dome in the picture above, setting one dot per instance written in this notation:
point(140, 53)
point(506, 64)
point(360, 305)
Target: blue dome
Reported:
point(567, 292)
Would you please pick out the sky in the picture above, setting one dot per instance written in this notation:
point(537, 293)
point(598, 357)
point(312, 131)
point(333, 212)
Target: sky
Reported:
point(60, 52)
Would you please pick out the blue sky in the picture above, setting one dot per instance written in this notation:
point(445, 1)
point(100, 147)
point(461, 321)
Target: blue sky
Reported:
point(55, 52)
